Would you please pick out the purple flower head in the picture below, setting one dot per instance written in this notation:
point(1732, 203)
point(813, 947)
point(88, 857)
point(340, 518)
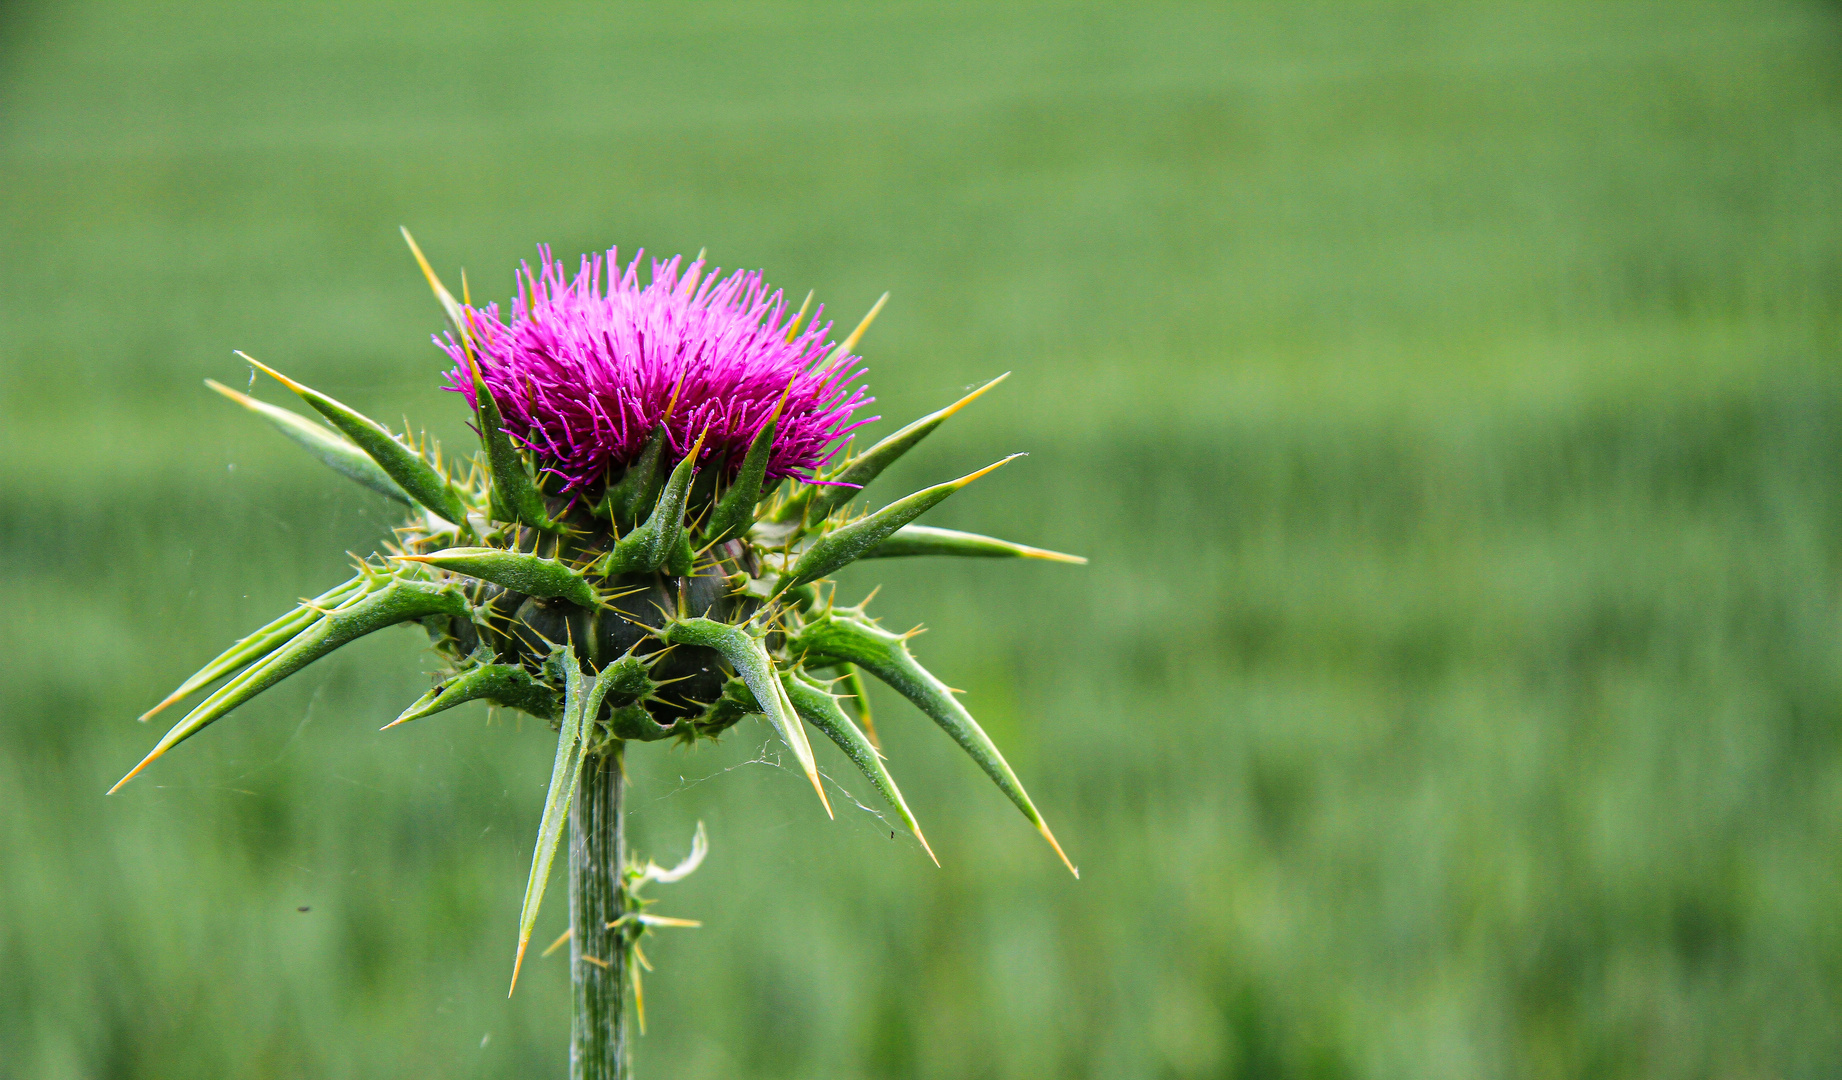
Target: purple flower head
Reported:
point(583, 373)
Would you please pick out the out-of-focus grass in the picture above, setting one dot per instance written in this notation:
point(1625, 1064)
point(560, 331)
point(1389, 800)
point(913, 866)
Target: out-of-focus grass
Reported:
point(1445, 394)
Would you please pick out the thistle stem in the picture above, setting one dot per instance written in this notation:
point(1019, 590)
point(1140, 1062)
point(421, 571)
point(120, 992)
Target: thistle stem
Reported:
point(597, 896)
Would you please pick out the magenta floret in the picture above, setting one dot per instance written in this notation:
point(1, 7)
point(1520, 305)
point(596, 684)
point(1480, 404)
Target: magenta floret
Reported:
point(584, 374)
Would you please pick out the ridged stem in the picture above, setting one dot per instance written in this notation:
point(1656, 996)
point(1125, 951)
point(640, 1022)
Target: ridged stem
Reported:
point(597, 854)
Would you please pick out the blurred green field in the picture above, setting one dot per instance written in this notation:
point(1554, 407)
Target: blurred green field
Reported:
point(1446, 395)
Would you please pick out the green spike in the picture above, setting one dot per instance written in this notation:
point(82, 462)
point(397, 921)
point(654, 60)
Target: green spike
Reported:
point(333, 450)
point(752, 662)
point(514, 493)
point(407, 467)
point(518, 571)
point(927, 540)
point(398, 601)
point(845, 545)
point(820, 709)
point(267, 639)
point(581, 703)
point(814, 501)
point(886, 656)
point(502, 684)
point(735, 511)
point(638, 487)
point(647, 548)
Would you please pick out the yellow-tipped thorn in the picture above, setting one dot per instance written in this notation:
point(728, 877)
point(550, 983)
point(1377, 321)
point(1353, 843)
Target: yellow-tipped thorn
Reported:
point(518, 963)
point(267, 370)
point(1049, 836)
point(558, 943)
point(149, 714)
point(1029, 552)
point(850, 343)
point(916, 829)
point(793, 327)
point(235, 395)
point(665, 920)
point(441, 291)
point(993, 467)
point(972, 397)
point(158, 751)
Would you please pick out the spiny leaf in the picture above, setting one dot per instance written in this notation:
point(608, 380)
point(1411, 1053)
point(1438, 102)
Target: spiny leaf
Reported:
point(518, 571)
point(581, 703)
point(407, 467)
point(262, 642)
point(845, 545)
point(646, 548)
point(333, 449)
point(398, 601)
point(751, 661)
point(815, 501)
point(820, 709)
point(638, 487)
point(885, 655)
point(502, 684)
point(927, 540)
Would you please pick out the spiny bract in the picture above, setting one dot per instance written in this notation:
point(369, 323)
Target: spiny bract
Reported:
point(638, 551)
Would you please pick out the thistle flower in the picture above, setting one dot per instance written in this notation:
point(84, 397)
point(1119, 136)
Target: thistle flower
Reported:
point(640, 551)
point(585, 371)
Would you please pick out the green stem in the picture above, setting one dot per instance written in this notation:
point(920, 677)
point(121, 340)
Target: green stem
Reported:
point(597, 856)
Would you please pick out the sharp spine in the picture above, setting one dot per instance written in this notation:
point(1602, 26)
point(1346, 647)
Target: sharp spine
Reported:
point(399, 601)
point(332, 449)
point(846, 544)
point(407, 467)
point(912, 540)
point(518, 571)
point(502, 684)
point(886, 656)
point(820, 709)
point(814, 502)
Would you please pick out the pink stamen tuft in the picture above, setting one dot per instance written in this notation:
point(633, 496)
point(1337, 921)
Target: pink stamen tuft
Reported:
point(583, 374)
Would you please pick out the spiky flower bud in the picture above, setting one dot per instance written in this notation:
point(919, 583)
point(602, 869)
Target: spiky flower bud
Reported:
point(641, 549)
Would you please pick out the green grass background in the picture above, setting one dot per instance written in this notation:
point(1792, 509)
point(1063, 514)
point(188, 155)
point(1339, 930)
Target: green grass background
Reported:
point(1446, 395)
